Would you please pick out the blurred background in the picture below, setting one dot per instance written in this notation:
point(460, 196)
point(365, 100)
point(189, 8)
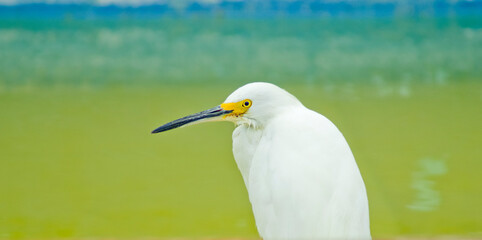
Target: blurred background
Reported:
point(82, 84)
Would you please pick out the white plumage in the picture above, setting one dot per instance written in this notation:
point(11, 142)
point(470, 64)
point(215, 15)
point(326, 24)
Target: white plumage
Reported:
point(302, 179)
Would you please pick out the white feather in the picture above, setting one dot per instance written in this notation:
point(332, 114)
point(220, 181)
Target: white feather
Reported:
point(302, 179)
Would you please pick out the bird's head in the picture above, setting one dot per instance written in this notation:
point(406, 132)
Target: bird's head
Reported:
point(253, 104)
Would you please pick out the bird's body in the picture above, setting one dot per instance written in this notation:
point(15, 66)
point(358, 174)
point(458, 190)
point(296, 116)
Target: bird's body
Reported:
point(302, 179)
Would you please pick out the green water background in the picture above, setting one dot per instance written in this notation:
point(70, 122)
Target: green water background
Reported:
point(78, 99)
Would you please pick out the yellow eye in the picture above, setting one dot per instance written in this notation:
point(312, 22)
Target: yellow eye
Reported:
point(247, 103)
point(237, 108)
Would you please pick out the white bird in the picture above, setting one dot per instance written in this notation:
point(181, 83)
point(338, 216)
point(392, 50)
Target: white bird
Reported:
point(301, 176)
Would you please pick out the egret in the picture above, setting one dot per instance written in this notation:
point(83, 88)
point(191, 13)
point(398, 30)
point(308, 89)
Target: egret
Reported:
point(301, 176)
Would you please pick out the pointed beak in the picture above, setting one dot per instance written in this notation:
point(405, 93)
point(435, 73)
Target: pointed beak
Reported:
point(213, 114)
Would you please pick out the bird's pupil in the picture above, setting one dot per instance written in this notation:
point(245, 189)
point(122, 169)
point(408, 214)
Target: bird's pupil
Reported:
point(246, 103)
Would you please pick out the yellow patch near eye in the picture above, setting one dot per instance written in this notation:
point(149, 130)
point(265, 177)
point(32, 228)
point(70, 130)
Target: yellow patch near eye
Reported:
point(239, 108)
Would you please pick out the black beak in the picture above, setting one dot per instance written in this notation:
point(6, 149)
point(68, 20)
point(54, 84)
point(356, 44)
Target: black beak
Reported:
point(210, 113)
